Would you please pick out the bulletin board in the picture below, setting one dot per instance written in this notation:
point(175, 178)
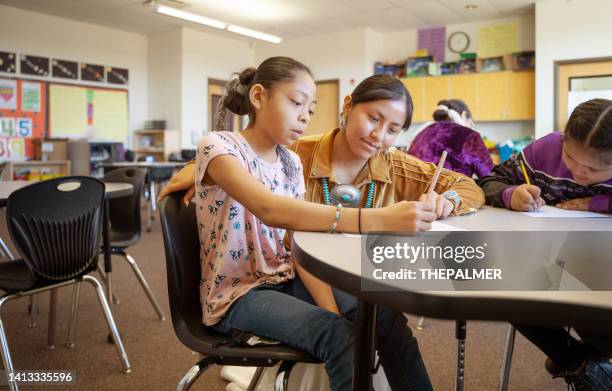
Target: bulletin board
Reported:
point(23, 113)
point(99, 114)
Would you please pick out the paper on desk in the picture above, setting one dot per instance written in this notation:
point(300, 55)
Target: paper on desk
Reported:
point(435, 226)
point(551, 211)
point(438, 226)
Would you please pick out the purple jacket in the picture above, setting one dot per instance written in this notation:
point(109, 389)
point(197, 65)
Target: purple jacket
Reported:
point(545, 168)
point(467, 153)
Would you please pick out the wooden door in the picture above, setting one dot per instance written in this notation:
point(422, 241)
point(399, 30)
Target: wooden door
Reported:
point(577, 81)
point(328, 110)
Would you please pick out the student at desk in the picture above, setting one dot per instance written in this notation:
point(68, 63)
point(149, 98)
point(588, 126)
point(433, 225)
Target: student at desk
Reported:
point(358, 153)
point(571, 171)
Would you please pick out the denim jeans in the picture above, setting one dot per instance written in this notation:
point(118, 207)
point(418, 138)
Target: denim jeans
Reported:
point(287, 313)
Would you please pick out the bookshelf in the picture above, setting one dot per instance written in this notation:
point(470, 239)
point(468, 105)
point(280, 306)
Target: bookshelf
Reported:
point(157, 143)
point(33, 170)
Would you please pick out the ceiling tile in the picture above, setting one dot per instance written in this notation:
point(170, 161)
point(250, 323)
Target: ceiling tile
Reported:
point(434, 13)
point(483, 10)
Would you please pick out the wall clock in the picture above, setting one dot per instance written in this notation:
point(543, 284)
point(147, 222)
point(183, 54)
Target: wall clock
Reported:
point(458, 42)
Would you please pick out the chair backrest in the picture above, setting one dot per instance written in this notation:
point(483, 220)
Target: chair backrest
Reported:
point(129, 155)
point(56, 225)
point(124, 212)
point(182, 245)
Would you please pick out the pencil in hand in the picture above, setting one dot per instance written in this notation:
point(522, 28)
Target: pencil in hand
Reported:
point(434, 180)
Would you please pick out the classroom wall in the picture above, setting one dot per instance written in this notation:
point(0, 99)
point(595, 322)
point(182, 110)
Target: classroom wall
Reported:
point(165, 73)
point(566, 30)
point(39, 34)
point(403, 44)
point(346, 55)
point(206, 56)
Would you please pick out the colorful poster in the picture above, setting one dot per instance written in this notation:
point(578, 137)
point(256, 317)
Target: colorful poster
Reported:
point(434, 40)
point(497, 40)
point(12, 148)
point(8, 94)
point(7, 127)
point(24, 127)
point(30, 97)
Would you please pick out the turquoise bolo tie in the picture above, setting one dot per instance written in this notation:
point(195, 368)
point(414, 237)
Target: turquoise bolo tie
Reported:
point(346, 195)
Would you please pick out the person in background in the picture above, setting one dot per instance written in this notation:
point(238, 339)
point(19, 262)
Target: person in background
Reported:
point(453, 131)
point(573, 171)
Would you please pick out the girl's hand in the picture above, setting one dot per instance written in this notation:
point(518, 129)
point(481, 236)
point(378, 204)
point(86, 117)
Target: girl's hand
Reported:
point(575, 204)
point(182, 180)
point(442, 206)
point(526, 198)
point(404, 216)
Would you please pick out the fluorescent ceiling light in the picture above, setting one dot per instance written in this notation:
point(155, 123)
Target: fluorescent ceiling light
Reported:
point(162, 9)
point(254, 34)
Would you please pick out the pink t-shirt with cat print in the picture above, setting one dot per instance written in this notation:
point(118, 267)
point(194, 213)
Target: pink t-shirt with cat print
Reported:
point(237, 251)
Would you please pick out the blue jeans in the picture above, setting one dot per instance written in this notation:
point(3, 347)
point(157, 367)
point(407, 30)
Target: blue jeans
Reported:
point(287, 313)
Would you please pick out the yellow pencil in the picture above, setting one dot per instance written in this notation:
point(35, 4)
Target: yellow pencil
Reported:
point(524, 172)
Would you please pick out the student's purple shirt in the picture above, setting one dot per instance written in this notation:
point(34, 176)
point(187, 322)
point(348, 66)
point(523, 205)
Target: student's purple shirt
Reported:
point(545, 168)
point(467, 153)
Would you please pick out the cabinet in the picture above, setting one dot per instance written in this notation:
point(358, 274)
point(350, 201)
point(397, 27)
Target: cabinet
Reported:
point(33, 170)
point(494, 96)
point(157, 143)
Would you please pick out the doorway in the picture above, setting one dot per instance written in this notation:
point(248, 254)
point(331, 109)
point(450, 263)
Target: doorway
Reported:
point(577, 81)
point(327, 111)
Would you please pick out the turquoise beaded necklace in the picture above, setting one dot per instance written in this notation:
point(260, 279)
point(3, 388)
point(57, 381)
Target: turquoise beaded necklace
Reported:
point(327, 196)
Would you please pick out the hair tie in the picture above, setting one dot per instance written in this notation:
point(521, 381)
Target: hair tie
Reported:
point(241, 89)
point(442, 107)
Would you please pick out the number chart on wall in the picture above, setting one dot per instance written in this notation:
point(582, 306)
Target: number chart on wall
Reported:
point(98, 114)
point(22, 117)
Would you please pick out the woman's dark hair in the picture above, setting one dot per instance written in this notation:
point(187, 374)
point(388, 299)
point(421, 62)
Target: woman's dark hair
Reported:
point(591, 125)
point(454, 104)
point(380, 87)
point(236, 98)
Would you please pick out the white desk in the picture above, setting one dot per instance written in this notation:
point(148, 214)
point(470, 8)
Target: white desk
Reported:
point(336, 259)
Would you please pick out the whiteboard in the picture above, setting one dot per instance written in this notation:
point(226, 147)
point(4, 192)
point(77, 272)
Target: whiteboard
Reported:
point(97, 114)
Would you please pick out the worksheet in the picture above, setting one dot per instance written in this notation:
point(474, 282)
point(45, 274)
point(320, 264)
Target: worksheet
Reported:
point(551, 211)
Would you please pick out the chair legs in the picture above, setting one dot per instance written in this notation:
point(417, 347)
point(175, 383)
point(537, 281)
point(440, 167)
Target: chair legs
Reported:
point(193, 374)
point(6, 251)
point(52, 319)
point(282, 376)
point(6, 353)
point(145, 285)
point(421, 323)
point(104, 277)
point(111, 323)
point(507, 359)
point(73, 315)
point(255, 380)
point(33, 311)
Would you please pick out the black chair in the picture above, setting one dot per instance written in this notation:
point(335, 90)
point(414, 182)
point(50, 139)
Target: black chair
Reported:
point(182, 246)
point(56, 226)
point(125, 223)
point(129, 155)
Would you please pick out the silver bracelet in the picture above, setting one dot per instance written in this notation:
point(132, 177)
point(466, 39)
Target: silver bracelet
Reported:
point(335, 224)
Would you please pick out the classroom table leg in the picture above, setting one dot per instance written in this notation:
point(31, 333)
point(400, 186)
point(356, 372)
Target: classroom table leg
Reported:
point(107, 250)
point(460, 332)
point(507, 360)
point(150, 205)
point(364, 345)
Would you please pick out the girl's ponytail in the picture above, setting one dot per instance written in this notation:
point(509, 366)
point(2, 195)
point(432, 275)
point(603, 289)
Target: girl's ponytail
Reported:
point(236, 97)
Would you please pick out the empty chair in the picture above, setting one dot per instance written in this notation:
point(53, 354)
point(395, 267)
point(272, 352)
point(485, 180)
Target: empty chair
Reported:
point(55, 225)
point(182, 246)
point(125, 223)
